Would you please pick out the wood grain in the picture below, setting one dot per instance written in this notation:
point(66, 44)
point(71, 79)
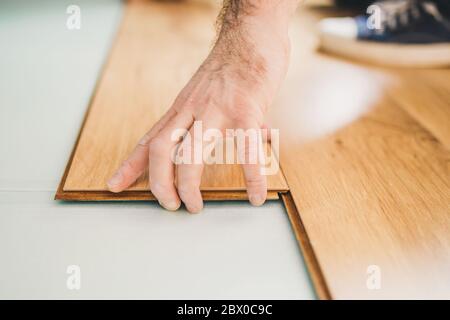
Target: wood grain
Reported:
point(376, 193)
point(158, 48)
point(425, 95)
point(372, 186)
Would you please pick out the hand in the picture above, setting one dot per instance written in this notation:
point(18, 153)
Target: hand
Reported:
point(232, 89)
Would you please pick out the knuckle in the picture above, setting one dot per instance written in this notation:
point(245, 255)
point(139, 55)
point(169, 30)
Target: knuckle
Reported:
point(185, 190)
point(256, 182)
point(246, 114)
point(145, 140)
point(157, 146)
point(128, 167)
point(251, 149)
point(159, 189)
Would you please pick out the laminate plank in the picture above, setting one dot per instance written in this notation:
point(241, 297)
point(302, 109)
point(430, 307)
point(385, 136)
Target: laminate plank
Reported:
point(376, 193)
point(370, 183)
point(158, 48)
point(425, 95)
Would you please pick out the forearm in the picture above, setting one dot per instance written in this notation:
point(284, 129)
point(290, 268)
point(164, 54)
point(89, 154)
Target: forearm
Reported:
point(276, 13)
point(253, 39)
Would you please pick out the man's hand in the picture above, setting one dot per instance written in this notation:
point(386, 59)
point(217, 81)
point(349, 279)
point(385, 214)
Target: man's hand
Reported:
point(231, 90)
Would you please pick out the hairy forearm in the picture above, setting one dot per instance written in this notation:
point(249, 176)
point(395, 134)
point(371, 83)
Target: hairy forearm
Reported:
point(252, 34)
point(275, 12)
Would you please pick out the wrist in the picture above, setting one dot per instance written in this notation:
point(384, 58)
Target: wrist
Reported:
point(253, 41)
point(255, 25)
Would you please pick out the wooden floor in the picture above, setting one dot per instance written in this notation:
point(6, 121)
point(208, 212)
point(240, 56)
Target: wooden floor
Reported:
point(374, 189)
point(364, 150)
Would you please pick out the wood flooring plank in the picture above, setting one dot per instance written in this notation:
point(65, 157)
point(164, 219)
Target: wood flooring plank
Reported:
point(158, 48)
point(376, 193)
point(370, 182)
point(425, 95)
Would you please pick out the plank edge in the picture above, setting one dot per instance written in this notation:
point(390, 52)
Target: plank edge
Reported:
point(306, 248)
point(147, 196)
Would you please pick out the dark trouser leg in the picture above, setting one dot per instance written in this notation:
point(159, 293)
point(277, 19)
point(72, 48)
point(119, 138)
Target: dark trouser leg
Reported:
point(357, 4)
point(444, 7)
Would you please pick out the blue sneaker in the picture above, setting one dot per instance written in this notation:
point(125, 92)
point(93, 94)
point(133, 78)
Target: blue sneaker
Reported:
point(397, 32)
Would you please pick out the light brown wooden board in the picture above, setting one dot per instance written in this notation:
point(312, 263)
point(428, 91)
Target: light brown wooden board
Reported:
point(425, 95)
point(375, 191)
point(158, 48)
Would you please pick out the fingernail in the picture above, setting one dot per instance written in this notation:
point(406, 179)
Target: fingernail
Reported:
point(115, 180)
point(257, 200)
point(170, 205)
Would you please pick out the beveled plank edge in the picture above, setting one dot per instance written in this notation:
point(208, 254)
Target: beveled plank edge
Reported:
point(147, 196)
point(202, 189)
point(312, 264)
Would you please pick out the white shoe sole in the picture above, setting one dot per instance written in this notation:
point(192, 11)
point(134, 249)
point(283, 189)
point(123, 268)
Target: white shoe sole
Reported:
point(400, 55)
